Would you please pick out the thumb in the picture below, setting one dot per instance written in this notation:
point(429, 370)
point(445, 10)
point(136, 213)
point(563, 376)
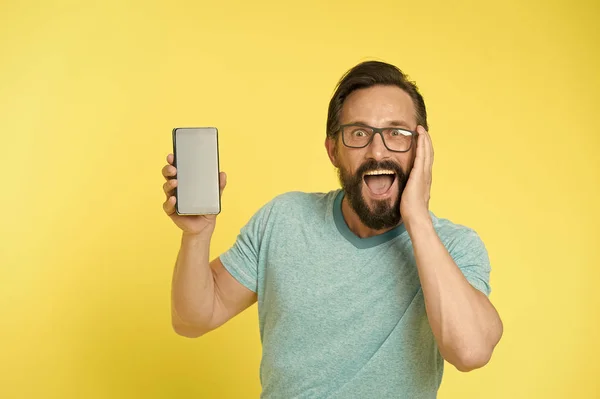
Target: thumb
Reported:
point(222, 182)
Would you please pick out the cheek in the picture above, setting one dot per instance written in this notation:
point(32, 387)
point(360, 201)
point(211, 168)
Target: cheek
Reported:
point(406, 162)
point(350, 161)
point(411, 160)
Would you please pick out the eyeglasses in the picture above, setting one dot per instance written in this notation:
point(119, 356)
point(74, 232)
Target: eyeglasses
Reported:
point(359, 136)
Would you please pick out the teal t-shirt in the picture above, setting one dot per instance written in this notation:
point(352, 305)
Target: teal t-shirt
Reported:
point(342, 316)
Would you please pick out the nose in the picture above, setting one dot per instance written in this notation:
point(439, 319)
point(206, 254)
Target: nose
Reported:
point(377, 149)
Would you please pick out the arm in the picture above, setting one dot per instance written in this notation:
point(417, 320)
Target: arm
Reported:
point(204, 296)
point(464, 323)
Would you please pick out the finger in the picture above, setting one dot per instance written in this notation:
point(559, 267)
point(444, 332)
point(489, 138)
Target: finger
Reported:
point(169, 206)
point(431, 154)
point(170, 159)
point(169, 187)
point(169, 172)
point(420, 153)
point(428, 147)
point(431, 147)
point(222, 182)
point(428, 163)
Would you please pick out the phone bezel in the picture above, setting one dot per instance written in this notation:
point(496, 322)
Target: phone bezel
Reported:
point(174, 134)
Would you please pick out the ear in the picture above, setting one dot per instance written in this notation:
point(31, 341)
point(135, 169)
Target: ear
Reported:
point(331, 146)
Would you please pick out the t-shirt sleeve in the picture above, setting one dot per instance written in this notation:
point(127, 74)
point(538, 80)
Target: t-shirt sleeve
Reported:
point(243, 258)
point(471, 256)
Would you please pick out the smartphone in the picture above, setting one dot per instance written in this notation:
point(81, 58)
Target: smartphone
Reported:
point(196, 157)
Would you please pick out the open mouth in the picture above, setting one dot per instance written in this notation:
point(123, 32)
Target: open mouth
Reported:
point(379, 181)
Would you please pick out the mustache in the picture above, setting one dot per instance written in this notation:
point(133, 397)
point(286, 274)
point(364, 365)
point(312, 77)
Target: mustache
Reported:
point(372, 164)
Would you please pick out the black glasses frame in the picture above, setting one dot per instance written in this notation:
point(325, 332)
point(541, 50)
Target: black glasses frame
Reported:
point(377, 130)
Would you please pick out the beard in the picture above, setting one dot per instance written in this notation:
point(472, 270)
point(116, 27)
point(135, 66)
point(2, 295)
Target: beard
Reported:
point(384, 214)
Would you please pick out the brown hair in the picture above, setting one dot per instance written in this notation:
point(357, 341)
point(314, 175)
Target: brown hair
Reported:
point(368, 74)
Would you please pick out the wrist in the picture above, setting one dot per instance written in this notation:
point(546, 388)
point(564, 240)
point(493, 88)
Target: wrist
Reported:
point(418, 221)
point(196, 238)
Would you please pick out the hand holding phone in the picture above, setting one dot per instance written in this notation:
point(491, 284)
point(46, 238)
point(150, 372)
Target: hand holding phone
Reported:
point(194, 184)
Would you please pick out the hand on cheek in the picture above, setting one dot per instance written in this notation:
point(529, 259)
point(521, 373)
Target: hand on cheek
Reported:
point(415, 198)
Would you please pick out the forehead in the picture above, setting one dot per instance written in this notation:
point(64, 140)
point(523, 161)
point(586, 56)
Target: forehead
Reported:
point(379, 105)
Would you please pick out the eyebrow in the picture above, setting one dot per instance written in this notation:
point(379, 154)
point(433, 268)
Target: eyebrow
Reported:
point(396, 123)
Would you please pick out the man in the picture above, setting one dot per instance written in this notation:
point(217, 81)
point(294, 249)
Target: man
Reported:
point(362, 292)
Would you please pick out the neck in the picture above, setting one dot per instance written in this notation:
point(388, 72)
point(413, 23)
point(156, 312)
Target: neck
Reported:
point(356, 225)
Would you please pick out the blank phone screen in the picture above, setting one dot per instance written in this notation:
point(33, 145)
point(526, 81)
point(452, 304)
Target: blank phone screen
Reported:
point(197, 162)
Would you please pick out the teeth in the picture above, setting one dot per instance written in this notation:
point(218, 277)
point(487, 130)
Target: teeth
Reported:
point(380, 172)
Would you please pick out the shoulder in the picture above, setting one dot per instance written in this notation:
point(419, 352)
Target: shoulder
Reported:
point(300, 199)
point(295, 206)
point(455, 235)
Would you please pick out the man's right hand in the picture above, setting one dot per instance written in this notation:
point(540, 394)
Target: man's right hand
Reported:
point(203, 225)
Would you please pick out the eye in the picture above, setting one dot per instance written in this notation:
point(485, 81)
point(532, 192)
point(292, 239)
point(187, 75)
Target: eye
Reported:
point(359, 133)
point(400, 132)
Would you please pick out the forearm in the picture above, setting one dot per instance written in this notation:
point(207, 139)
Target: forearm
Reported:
point(193, 284)
point(464, 322)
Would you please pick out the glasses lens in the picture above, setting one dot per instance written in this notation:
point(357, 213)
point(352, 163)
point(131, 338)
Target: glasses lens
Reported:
point(356, 136)
point(398, 139)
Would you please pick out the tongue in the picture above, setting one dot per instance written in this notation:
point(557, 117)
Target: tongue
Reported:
point(379, 184)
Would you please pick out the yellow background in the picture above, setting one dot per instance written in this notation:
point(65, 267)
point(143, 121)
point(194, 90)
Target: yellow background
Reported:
point(89, 93)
